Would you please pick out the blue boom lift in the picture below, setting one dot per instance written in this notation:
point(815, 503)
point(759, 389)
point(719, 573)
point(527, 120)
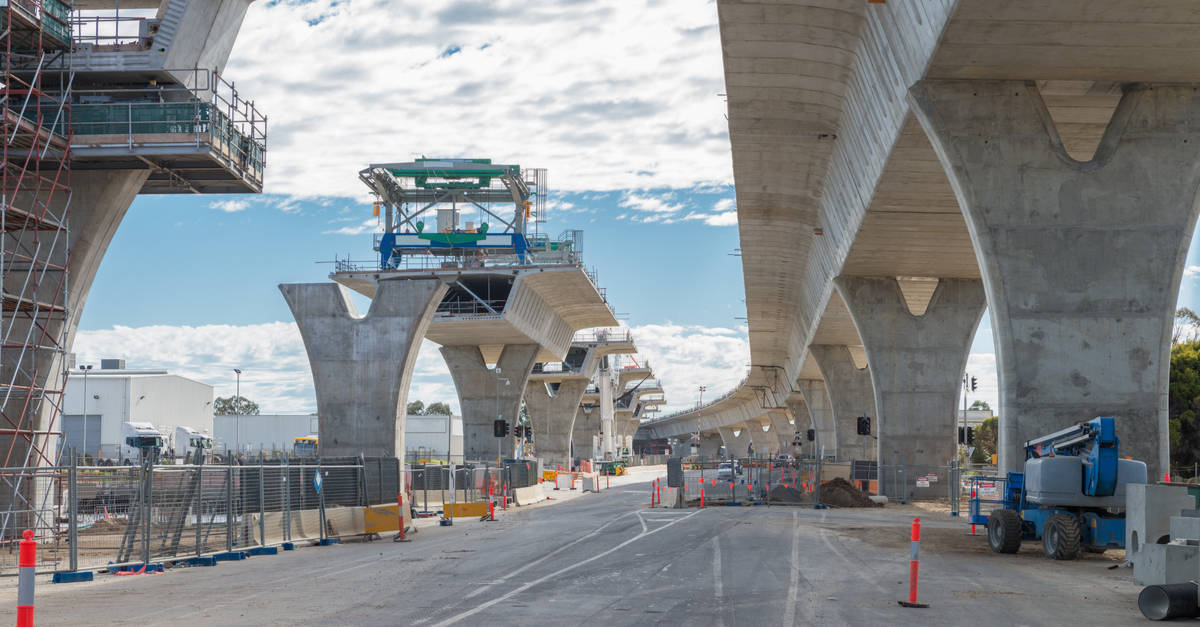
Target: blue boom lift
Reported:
point(1071, 495)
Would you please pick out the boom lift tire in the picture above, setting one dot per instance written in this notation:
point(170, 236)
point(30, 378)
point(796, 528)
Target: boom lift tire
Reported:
point(1004, 531)
point(1060, 538)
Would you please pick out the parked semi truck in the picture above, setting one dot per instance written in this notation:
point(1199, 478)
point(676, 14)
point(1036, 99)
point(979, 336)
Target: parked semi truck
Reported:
point(1071, 495)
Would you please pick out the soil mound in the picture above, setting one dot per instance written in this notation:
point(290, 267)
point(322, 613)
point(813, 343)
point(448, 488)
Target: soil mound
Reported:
point(780, 494)
point(840, 493)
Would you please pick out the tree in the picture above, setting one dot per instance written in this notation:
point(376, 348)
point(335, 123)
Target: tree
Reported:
point(986, 435)
point(437, 409)
point(1186, 328)
point(981, 405)
point(1183, 408)
point(416, 408)
point(226, 406)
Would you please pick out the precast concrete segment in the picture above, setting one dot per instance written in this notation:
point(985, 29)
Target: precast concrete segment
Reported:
point(737, 440)
point(485, 396)
point(851, 394)
point(916, 363)
point(1081, 260)
point(820, 416)
point(362, 365)
point(553, 417)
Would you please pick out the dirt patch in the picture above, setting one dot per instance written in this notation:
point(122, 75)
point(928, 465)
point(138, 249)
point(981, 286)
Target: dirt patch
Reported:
point(956, 539)
point(780, 494)
point(840, 493)
point(105, 525)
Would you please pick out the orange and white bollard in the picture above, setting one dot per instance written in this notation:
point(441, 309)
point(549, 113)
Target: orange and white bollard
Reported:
point(606, 485)
point(973, 496)
point(400, 537)
point(701, 498)
point(27, 561)
point(491, 510)
point(914, 563)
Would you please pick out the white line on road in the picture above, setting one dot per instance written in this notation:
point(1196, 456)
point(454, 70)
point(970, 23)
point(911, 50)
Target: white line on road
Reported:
point(717, 590)
point(789, 612)
point(483, 606)
point(528, 565)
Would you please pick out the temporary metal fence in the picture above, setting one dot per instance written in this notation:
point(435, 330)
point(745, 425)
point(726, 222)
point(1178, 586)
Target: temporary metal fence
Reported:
point(750, 480)
point(433, 486)
point(92, 517)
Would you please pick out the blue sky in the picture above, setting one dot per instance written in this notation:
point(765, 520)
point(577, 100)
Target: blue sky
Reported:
point(620, 102)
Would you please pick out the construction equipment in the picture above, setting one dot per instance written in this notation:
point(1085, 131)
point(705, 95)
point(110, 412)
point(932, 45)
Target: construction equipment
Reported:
point(616, 468)
point(1071, 495)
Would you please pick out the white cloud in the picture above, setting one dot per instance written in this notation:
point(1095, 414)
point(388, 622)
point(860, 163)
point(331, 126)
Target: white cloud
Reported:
point(653, 204)
point(367, 226)
point(275, 371)
point(1191, 271)
point(232, 205)
point(982, 366)
point(723, 205)
point(606, 96)
point(686, 357)
point(728, 218)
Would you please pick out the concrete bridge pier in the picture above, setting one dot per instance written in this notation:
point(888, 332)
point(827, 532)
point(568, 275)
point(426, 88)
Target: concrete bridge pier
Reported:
point(820, 418)
point(851, 395)
point(765, 442)
point(916, 362)
point(553, 417)
point(709, 446)
point(587, 425)
point(485, 395)
point(736, 444)
point(362, 365)
point(1081, 260)
point(782, 430)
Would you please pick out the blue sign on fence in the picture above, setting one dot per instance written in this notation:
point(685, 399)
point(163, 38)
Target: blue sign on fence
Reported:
point(317, 481)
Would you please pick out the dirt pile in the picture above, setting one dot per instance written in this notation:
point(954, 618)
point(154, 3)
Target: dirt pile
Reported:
point(840, 493)
point(780, 494)
point(105, 525)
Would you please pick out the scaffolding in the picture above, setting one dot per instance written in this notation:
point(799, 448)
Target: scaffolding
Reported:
point(35, 195)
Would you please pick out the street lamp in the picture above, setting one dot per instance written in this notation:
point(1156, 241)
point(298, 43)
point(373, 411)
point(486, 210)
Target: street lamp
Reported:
point(701, 401)
point(85, 370)
point(500, 441)
point(237, 410)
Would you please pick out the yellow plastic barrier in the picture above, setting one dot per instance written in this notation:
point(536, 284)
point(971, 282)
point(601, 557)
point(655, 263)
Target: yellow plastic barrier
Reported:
point(380, 518)
point(462, 510)
point(549, 475)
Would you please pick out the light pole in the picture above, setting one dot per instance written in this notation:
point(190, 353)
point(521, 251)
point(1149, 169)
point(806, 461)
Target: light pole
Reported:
point(701, 401)
point(237, 408)
point(85, 370)
point(500, 441)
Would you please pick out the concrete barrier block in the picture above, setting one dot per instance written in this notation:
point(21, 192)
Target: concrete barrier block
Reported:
point(1148, 512)
point(529, 495)
point(591, 482)
point(1160, 564)
point(564, 481)
point(672, 498)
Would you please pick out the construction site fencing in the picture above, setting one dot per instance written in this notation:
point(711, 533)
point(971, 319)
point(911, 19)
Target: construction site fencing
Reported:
point(93, 517)
point(750, 480)
point(432, 486)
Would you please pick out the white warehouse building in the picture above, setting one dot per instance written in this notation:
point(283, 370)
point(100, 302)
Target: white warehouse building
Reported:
point(96, 402)
point(425, 436)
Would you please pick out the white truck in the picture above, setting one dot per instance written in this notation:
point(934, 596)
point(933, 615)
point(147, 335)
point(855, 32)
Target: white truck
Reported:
point(138, 435)
point(187, 440)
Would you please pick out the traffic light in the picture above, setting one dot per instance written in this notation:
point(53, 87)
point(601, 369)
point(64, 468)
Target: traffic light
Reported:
point(812, 435)
point(973, 382)
point(519, 430)
point(961, 438)
point(970, 435)
point(500, 428)
point(864, 425)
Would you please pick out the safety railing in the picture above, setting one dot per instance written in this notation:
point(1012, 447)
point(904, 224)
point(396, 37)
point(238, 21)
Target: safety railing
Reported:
point(112, 30)
point(52, 15)
point(602, 335)
point(94, 517)
point(689, 410)
point(211, 113)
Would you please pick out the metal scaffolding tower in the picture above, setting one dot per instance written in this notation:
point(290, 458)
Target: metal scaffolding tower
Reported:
point(35, 194)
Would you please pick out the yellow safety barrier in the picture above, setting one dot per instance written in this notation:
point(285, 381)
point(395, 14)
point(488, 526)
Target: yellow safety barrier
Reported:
point(549, 475)
point(458, 510)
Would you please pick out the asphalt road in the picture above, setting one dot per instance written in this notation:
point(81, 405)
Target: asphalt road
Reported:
point(607, 559)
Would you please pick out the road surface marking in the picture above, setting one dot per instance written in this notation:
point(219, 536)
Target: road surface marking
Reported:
point(789, 612)
point(483, 606)
point(717, 570)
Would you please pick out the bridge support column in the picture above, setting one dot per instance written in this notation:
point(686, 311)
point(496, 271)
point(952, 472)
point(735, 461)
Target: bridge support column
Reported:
point(765, 443)
point(783, 431)
point(820, 418)
point(736, 445)
point(1081, 260)
point(362, 365)
point(916, 363)
point(554, 418)
point(851, 394)
point(586, 426)
point(709, 445)
point(485, 395)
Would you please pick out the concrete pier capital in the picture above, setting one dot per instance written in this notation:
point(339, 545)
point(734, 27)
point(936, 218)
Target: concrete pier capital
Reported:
point(485, 395)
